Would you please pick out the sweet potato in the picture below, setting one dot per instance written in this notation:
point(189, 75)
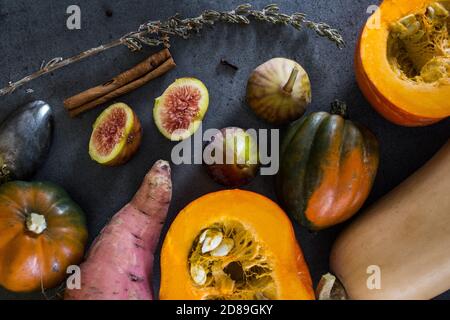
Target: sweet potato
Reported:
point(119, 264)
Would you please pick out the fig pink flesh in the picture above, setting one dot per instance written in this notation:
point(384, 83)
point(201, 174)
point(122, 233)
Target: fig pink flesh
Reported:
point(119, 264)
point(182, 106)
point(110, 131)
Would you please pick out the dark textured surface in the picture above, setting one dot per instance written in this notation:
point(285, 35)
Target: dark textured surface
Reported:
point(36, 30)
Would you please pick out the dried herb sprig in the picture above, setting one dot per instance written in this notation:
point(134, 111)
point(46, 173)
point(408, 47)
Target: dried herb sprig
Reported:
point(157, 33)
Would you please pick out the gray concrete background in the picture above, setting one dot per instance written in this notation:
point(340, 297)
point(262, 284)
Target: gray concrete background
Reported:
point(36, 30)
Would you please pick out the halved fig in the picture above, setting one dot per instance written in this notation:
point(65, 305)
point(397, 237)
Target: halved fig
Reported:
point(116, 136)
point(179, 112)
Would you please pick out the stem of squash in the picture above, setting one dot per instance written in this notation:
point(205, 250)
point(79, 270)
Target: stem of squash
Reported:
point(339, 108)
point(4, 172)
point(330, 288)
point(289, 86)
point(36, 223)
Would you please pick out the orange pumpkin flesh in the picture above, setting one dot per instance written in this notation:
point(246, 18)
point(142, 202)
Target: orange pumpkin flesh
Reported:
point(262, 219)
point(402, 99)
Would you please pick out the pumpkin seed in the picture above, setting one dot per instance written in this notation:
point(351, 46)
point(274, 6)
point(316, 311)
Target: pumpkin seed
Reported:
point(212, 240)
point(198, 274)
point(203, 236)
point(224, 248)
point(407, 26)
point(227, 258)
point(430, 12)
point(437, 10)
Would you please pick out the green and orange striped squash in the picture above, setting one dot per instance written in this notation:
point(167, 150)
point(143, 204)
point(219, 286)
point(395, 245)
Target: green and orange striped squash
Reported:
point(327, 169)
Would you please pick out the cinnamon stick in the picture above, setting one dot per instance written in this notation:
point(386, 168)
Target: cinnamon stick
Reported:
point(149, 69)
point(159, 71)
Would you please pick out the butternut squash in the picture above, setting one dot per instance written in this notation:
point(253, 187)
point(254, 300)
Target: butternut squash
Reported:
point(406, 235)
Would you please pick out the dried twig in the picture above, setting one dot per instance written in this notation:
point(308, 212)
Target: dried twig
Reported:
point(157, 33)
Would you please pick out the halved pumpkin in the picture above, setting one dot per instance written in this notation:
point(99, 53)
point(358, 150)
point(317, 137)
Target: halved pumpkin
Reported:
point(234, 245)
point(403, 63)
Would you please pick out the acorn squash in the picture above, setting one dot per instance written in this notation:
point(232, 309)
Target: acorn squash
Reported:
point(327, 169)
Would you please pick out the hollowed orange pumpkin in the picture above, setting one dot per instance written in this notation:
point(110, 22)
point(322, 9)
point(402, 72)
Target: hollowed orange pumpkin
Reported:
point(233, 245)
point(402, 61)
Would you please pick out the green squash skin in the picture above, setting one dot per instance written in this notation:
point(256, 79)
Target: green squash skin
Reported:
point(291, 197)
point(303, 154)
point(54, 194)
point(59, 245)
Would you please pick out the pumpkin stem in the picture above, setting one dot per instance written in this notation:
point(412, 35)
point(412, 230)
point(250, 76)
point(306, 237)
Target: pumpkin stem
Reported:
point(339, 108)
point(330, 288)
point(289, 86)
point(36, 223)
point(4, 173)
